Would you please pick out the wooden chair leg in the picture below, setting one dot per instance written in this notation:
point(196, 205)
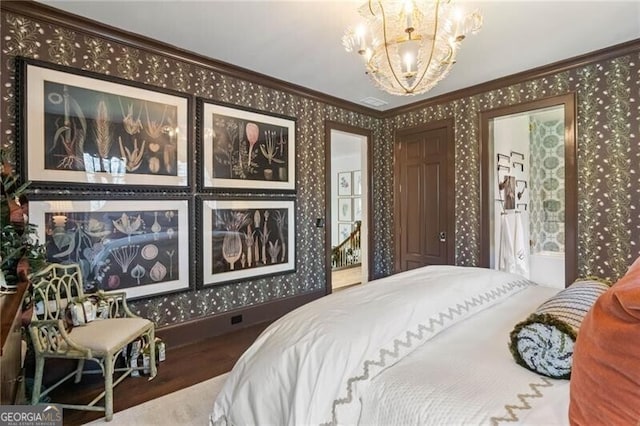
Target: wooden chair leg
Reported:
point(37, 380)
point(152, 353)
point(79, 369)
point(108, 387)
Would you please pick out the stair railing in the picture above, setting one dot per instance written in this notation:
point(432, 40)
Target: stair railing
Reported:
point(347, 253)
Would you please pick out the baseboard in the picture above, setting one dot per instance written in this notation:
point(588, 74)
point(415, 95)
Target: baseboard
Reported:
point(206, 327)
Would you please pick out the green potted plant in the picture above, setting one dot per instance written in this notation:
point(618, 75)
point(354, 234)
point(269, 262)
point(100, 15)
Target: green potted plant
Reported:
point(20, 251)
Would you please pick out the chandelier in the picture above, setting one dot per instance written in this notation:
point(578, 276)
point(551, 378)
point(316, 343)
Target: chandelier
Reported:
point(408, 46)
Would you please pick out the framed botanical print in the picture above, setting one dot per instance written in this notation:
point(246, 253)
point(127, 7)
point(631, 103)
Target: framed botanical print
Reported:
point(83, 129)
point(345, 210)
point(357, 209)
point(138, 245)
point(344, 230)
point(246, 149)
point(344, 184)
point(357, 182)
point(242, 240)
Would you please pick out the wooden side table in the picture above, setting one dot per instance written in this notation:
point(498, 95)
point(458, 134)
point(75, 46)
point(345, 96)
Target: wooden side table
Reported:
point(11, 377)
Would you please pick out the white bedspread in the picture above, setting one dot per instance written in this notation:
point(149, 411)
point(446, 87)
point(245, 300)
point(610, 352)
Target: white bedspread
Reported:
point(467, 376)
point(313, 365)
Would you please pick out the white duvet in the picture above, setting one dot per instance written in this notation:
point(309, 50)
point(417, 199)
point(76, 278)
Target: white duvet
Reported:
point(314, 365)
point(467, 376)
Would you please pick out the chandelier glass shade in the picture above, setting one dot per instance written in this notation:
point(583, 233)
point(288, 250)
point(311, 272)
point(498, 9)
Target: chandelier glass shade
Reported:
point(408, 46)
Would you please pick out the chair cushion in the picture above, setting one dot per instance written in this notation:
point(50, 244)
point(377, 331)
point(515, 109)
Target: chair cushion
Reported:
point(605, 382)
point(109, 335)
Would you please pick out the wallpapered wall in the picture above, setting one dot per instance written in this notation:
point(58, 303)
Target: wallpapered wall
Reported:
point(608, 139)
point(547, 185)
point(608, 156)
point(22, 36)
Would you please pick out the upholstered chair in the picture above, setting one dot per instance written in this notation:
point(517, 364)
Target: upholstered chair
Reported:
point(55, 289)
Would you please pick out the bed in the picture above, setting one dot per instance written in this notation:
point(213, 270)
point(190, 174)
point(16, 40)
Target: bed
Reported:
point(427, 346)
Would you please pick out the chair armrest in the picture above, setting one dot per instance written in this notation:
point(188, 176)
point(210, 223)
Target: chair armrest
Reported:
point(116, 302)
point(50, 337)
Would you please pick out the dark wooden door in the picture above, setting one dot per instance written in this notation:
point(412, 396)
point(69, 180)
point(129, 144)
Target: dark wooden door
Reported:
point(424, 197)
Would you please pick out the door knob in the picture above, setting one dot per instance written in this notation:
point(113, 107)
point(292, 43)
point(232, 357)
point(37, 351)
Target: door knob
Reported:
point(443, 236)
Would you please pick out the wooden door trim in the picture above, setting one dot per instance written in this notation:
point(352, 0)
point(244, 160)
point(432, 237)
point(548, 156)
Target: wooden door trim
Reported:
point(328, 127)
point(571, 200)
point(449, 125)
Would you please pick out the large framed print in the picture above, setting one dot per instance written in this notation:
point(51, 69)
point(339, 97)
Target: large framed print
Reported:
point(85, 129)
point(244, 149)
point(246, 239)
point(140, 246)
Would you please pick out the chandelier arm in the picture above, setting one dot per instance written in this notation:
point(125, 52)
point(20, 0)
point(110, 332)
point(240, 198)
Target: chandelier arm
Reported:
point(433, 45)
point(386, 48)
point(393, 76)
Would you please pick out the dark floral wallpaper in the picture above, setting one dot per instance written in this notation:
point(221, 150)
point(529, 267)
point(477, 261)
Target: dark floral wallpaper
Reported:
point(22, 36)
point(608, 141)
point(608, 128)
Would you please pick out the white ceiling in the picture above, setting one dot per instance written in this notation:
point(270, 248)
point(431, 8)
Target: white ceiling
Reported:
point(301, 41)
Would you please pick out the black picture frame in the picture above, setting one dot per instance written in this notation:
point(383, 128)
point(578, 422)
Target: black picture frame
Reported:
point(137, 243)
point(244, 149)
point(241, 225)
point(80, 129)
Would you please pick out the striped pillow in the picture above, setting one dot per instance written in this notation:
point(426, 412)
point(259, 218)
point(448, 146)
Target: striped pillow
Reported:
point(544, 342)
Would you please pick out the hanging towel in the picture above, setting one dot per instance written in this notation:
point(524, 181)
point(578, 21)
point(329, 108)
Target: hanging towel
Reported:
point(506, 260)
point(520, 250)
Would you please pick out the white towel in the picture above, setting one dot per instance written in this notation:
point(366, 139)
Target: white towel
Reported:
point(520, 250)
point(506, 260)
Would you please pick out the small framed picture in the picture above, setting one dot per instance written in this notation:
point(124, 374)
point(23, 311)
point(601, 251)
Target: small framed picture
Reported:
point(357, 182)
point(344, 230)
point(344, 210)
point(140, 246)
point(357, 208)
point(242, 240)
point(344, 183)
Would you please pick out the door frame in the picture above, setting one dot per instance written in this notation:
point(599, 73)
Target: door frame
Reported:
point(368, 134)
point(449, 125)
point(570, 167)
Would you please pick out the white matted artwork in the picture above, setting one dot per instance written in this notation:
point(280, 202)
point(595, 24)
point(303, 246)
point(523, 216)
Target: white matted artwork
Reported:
point(344, 230)
point(357, 208)
point(344, 210)
point(357, 182)
point(139, 246)
point(344, 183)
point(88, 130)
point(246, 239)
point(246, 149)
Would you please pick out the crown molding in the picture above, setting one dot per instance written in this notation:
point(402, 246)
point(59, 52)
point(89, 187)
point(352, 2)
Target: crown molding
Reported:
point(78, 23)
point(617, 50)
point(58, 17)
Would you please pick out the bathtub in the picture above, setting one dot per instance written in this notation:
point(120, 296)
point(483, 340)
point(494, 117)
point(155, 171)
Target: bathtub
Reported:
point(547, 268)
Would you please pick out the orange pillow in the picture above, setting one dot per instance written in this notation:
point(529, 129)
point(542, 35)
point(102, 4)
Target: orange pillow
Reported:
point(605, 375)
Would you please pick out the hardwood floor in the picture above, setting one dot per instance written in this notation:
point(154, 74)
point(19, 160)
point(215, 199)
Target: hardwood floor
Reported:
point(346, 277)
point(185, 366)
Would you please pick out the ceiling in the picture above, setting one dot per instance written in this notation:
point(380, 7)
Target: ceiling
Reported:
point(301, 41)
